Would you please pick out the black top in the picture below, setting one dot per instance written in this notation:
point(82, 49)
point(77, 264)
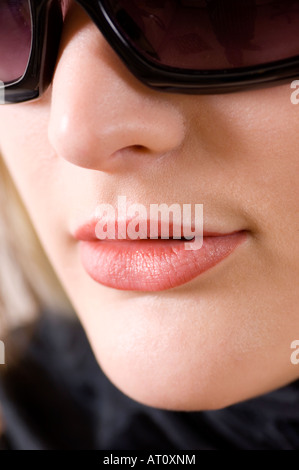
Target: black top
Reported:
point(58, 398)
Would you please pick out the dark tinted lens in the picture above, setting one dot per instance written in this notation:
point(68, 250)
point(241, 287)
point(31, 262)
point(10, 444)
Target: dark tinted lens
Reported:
point(15, 38)
point(210, 34)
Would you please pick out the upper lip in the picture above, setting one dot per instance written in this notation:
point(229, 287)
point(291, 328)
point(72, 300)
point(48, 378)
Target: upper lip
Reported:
point(87, 231)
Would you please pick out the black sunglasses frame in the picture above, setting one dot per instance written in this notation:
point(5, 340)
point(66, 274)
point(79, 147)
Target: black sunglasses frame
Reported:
point(47, 24)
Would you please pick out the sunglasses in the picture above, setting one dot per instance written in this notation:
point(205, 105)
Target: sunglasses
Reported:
point(179, 46)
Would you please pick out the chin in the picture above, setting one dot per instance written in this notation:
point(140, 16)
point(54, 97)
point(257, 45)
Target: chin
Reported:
point(172, 392)
point(181, 393)
point(159, 381)
point(181, 354)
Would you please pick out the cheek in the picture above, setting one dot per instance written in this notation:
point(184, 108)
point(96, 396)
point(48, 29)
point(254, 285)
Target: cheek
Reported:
point(257, 143)
point(30, 160)
point(39, 175)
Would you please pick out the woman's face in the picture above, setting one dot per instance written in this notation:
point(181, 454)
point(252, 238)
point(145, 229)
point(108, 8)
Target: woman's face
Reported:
point(97, 134)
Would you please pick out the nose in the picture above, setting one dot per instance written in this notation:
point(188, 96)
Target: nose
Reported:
point(101, 117)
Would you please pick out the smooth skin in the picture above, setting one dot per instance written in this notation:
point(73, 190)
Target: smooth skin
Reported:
point(98, 133)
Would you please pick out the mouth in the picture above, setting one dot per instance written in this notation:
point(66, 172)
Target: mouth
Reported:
point(150, 265)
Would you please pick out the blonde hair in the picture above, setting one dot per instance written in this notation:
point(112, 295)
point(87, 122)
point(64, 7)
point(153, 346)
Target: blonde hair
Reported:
point(27, 281)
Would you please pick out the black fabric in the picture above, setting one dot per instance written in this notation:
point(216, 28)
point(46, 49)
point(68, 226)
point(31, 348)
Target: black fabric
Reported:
point(58, 398)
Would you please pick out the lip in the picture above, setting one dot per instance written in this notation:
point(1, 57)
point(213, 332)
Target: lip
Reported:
point(151, 265)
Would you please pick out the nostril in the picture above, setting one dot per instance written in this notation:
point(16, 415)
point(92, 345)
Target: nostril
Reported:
point(140, 148)
point(134, 149)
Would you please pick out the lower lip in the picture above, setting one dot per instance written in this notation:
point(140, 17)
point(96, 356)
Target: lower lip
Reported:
point(153, 265)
